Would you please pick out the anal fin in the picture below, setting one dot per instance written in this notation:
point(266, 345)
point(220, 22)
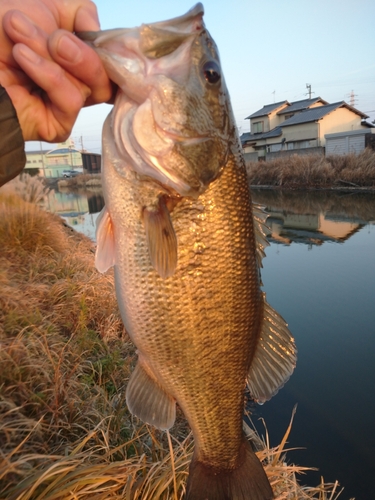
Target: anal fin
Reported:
point(274, 359)
point(147, 400)
point(161, 239)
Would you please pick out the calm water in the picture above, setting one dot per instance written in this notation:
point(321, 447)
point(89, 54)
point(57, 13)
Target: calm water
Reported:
point(319, 273)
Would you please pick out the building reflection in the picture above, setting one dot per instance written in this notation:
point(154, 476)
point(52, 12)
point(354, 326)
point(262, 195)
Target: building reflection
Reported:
point(311, 229)
point(79, 209)
point(313, 218)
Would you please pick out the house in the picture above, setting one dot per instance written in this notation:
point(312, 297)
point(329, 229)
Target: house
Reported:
point(35, 161)
point(298, 127)
point(52, 162)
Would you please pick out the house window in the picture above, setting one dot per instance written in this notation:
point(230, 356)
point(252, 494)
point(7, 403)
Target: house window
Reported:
point(299, 145)
point(257, 127)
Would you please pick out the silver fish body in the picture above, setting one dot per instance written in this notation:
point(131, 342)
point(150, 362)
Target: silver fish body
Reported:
point(185, 240)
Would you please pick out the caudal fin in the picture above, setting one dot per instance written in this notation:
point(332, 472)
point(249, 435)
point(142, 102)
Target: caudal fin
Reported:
point(247, 482)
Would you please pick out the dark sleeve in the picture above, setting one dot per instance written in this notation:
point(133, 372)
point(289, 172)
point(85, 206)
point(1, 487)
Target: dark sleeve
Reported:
point(12, 154)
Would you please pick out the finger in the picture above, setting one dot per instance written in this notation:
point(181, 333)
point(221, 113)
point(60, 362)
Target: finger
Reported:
point(21, 29)
point(77, 15)
point(65, 95)
point(82, 62)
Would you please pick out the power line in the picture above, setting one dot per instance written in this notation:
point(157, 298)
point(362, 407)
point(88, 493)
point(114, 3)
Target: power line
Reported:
point(353, 99)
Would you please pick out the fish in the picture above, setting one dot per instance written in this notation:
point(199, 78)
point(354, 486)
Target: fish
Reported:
point(186, 244)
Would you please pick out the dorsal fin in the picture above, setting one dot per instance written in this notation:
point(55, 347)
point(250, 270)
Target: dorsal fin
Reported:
point(105, 250)
point(161, 239)
point(274, 359)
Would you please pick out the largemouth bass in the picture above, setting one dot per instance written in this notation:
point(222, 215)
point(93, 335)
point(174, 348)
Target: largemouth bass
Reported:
point(186, 244)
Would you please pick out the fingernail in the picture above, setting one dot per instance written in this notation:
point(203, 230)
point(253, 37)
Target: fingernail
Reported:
point(69, 50)
point(22, 24)
point(29, 54)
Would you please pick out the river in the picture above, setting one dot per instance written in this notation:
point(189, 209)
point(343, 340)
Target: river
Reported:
point(319, 274)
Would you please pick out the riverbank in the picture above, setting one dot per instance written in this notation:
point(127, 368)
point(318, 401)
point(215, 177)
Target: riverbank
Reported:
point(83, 180)
point(315, 172)
point(65, 357)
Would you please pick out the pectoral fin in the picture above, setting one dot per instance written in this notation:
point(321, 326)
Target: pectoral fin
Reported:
point(274, 359)
point(261, 230)
point(147, 400)
point(105, 250)
point(161, 239)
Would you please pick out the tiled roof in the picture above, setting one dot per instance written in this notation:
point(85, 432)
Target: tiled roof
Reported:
point(266, 110)
point(247, 136)
point(315, 114)
point(300, 105)
point(62, 151)
point(37, 152)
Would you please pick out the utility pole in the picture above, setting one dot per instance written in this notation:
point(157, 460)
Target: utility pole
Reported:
point(42, 156)
point(274, 93)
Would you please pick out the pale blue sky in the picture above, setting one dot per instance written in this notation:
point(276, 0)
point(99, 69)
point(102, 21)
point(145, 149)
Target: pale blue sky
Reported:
point(265, 47)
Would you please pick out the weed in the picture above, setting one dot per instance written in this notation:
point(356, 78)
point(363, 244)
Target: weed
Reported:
point(315, 171)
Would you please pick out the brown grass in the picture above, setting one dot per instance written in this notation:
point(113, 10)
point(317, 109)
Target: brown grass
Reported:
point(301, 171)
point(83, 180)
point(65, 431)
point(29, 188)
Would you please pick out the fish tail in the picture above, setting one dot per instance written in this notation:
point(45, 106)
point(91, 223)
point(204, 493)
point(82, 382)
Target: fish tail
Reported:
point(246, 482)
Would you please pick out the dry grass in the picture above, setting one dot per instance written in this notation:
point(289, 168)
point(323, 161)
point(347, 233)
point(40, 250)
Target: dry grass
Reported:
point(65, 431)
point(31, 189)
point(315, 171)
point(83, 180)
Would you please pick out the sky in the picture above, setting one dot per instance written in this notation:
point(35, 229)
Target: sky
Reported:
point(270, 50)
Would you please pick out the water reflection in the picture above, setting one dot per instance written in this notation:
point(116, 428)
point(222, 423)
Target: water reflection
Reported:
point(327, 296)
point(78, 208)
point(313, 218)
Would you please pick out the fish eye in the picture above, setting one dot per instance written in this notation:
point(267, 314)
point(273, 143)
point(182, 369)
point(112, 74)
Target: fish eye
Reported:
point(211, 72)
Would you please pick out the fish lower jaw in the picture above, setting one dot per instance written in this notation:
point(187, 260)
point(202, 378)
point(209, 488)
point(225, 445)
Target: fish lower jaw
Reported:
point(180, 139)
point(169, 180)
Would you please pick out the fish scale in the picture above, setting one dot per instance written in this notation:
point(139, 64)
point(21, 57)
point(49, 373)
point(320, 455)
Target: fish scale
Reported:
point(183, 313)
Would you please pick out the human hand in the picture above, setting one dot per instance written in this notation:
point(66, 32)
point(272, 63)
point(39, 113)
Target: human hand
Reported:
point(49, 73)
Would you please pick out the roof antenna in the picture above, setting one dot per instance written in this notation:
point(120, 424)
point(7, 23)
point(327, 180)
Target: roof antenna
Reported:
point(308, 86)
